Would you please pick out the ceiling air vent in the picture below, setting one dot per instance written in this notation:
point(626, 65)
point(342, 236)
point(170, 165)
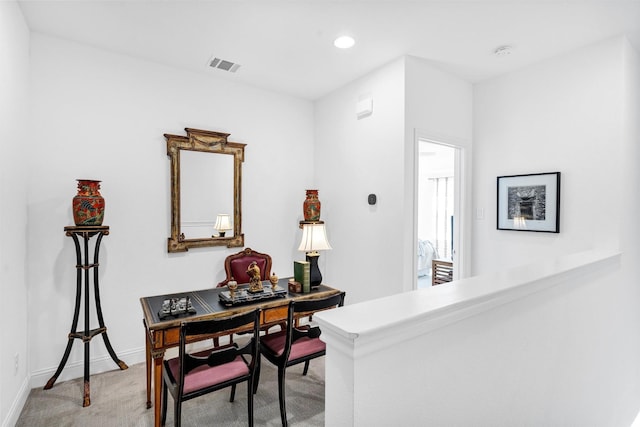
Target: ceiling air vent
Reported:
point(222, 64)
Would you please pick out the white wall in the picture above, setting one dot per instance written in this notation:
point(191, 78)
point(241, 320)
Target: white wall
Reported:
point(100, 115)
point(439, 106)
point(576, 114)
point(352, 159)
point(566, 115)
point(374, 246)
point(14, 90)
point(567, 350)
point(630, 234)
point(438, 103)
point(551, 343)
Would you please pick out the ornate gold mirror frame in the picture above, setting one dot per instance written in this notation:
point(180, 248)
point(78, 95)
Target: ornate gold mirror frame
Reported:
point(206, 142)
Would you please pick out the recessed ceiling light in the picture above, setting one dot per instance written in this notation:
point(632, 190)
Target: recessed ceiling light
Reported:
point(503, 50)
point(344, 42)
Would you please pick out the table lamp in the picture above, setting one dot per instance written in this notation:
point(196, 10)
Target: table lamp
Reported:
point(223, 223)
point(314, 239)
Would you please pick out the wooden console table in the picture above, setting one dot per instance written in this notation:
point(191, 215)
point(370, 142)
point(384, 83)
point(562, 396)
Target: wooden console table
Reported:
point(163, 334)
point(86, 232)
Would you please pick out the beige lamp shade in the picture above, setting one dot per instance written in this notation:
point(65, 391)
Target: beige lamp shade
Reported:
point(223, 222)
point(314, 238)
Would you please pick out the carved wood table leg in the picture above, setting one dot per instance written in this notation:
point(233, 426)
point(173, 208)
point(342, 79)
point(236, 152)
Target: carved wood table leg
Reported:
point(157, 387)
point(148, 362)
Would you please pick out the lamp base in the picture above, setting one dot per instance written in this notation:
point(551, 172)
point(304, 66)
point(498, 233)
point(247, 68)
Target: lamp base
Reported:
point(316, 276)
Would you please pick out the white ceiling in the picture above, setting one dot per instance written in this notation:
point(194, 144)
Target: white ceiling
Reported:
point(287, 46)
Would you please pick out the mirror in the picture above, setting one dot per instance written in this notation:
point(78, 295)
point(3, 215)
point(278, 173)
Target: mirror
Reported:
point(199, 209)
point(206, 178)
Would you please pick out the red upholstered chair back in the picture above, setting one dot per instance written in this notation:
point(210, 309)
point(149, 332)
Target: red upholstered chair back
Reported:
point(236, 266)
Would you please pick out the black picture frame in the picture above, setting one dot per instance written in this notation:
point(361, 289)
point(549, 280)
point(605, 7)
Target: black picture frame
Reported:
point(529, 202)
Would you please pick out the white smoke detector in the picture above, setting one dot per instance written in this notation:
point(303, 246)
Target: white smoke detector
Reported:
point(503, 50)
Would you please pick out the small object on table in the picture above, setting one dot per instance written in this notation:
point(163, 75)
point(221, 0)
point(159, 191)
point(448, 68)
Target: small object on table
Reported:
point(274, 280)
point(176, 307)
point(232, 285)
point(245, 296)
point(255, 283)
point(295, 286)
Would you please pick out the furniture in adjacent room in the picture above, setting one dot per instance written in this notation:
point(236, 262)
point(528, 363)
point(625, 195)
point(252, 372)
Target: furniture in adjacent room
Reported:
point(83, 269)
point(426, 254)
point(191, 375)
point(296, 345)
point(164, 333)
point(442, 271)
point(236, 266)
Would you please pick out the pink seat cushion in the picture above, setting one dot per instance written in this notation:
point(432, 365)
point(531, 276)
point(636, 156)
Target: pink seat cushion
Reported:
point(206, 376)
point(301, 348)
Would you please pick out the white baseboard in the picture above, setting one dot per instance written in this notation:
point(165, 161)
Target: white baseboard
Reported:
point(17, 405)
point(73, 370)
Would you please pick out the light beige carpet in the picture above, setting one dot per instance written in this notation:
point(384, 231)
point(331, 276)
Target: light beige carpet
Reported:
point(118, 398)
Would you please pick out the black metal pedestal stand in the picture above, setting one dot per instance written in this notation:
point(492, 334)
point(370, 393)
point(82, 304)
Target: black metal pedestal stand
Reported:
point(86, 232)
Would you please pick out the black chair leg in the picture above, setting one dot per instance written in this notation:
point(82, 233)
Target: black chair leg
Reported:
point(164, 403)
point(281, 397)
point(233, 393)
point(177, 413)
point(256, 380)
point(250, 402)
point(306, 368)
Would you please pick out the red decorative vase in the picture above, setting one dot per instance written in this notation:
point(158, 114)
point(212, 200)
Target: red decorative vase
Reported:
point(88, 204)
point(311, 206)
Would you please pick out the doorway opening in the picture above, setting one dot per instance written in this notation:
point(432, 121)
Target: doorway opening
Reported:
point(437, 204)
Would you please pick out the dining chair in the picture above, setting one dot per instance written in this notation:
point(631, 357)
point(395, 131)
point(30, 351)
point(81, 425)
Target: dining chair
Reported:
point(295, 345)
point(191, 375)
point(441, 272)
point(235, 266)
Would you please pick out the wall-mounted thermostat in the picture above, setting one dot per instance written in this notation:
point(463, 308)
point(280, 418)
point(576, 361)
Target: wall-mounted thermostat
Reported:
point(372, 199)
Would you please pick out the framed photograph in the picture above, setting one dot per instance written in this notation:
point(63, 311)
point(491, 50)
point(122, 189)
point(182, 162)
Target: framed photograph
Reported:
point(529, 202)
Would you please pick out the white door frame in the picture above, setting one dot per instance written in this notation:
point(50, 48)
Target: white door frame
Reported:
point(461, 185)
